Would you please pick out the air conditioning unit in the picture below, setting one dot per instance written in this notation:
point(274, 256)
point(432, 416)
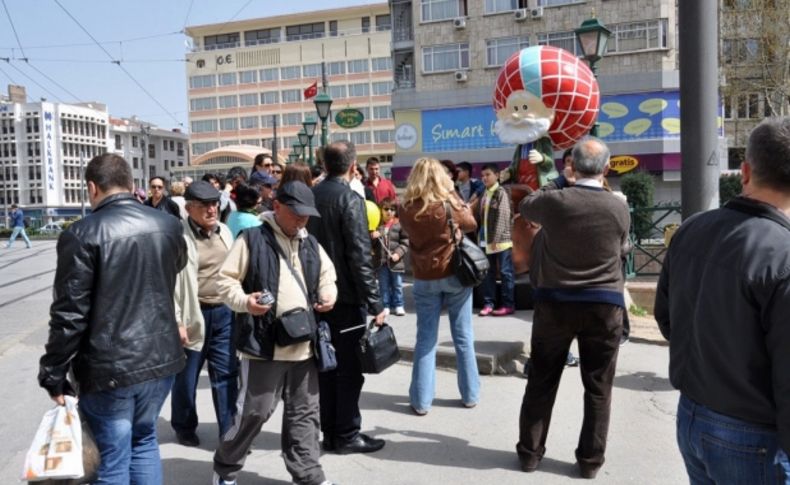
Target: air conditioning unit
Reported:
point(461, 76)
point(536, 12)
point(521, 14)
point(459, 23)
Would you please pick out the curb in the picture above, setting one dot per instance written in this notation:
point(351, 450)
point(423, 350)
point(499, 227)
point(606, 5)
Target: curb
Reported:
point(498, 361)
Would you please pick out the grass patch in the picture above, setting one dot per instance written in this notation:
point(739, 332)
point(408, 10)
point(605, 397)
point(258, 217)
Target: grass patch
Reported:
point(637, 310)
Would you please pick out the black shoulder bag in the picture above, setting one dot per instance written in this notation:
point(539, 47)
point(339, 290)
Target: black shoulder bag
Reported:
point(469, 262)
point(296, 325)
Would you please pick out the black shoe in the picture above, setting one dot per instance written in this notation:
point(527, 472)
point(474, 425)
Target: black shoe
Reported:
point(328, 444)
point(361, 444)
point(187, 438)
point(588, 472)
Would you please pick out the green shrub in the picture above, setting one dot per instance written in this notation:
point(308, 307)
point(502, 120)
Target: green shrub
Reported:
point(639, 188)
point(729, 187)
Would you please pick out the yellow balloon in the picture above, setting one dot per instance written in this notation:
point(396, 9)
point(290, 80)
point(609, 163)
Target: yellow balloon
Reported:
point(374, 215)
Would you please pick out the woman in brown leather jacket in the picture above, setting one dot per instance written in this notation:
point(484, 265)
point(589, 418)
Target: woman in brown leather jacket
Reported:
point(429, 194)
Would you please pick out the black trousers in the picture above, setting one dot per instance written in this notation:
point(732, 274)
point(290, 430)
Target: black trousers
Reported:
point(597, 327)
point(340, 388)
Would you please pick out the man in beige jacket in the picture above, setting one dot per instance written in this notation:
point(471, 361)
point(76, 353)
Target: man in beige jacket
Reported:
point(281, 257)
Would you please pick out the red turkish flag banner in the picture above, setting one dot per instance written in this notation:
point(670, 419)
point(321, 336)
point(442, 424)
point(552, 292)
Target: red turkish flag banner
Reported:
point(311, 91)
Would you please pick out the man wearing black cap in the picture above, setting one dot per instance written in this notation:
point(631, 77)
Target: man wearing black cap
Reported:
point(282, 258)
point(205, 322)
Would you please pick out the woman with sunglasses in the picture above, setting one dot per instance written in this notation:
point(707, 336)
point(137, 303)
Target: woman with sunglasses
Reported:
point(390, 244)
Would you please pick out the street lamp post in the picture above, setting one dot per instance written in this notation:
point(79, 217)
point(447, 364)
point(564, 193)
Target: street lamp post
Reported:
point(309, 130)
point(323, 104)
point(296, 149)
point(591, 38)
point(302, 137)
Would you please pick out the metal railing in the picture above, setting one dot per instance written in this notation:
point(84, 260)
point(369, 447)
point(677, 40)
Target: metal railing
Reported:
point(648, 238)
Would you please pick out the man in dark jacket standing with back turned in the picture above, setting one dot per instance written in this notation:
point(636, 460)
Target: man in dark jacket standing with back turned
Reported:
point(723, 302)
point(342, 230)
point(113, 321)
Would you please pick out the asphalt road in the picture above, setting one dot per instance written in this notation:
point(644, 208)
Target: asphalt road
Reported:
point(451, 444)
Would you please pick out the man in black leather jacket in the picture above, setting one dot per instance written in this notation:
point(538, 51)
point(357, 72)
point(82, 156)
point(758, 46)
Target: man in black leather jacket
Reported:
point(343, 232)
point(723, 302)
point(113, 321)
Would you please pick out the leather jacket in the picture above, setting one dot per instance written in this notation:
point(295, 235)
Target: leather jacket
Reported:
point(112, 318)
point(342, 230)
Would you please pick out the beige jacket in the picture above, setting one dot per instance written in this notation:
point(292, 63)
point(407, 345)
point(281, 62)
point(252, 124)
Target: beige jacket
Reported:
point(187, 305)
point(289, 294)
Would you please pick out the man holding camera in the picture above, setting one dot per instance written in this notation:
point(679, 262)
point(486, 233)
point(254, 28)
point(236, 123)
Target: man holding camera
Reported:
point(275, 275)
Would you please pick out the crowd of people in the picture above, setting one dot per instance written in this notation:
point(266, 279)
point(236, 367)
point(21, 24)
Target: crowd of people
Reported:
point(238, 271)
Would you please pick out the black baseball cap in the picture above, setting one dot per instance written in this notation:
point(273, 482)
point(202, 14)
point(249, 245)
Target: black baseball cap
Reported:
point(202, 191)
point(298, 197)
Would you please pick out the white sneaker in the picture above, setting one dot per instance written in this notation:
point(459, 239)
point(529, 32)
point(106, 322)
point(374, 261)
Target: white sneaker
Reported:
point(386, 312)
point(400, 311)
point(219, 481)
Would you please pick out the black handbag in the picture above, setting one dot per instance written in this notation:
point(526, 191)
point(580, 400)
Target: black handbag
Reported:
point(294, 326)
point(377, 349)
point(325, 358)
point(469, 262)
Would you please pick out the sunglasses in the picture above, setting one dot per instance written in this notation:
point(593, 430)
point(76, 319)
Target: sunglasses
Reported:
point(277, 172)
point(267, 164)
point(389, 209)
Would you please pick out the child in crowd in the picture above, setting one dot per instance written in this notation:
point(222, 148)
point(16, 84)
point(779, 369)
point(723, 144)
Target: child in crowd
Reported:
point(390, 244)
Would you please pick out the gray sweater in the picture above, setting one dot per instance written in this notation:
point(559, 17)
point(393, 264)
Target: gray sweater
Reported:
point(583, 238)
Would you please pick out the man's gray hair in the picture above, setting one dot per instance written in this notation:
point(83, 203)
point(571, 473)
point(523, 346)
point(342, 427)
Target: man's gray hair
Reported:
point(768, 152)
point(590, 156)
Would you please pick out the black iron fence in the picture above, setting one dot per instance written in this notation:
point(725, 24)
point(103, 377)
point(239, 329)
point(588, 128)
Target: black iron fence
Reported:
point(651, 228)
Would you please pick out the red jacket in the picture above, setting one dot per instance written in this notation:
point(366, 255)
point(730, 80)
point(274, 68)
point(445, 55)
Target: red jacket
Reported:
point(383, 190)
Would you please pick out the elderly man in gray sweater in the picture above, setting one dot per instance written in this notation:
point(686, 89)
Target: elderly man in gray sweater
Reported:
point(578, 294)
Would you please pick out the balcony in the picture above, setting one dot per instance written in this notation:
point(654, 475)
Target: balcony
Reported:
point(299, 38)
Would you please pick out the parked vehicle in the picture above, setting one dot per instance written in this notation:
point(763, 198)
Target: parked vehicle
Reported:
point(51, 228)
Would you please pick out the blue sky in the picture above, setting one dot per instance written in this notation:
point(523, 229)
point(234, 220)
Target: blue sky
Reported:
point(64, 63)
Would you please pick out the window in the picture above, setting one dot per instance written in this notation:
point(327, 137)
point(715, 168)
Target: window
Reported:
point(382, 112)
point(365, 25)
point(736, 51)
point(180, 149)
point(358, 90)
point(291, 95)
point(135, 162)
point(440, 9)
point(167, 164)
point(229, 101)
point(202, 104)
point(333, 28)
point(228, 124)
point(206, 81)
point(164, 145)
point(267, 121)
point(498, 50)
point(248, 77)
point(383, 23)
point(555, 3)
point(382, 64)
point(637, 36)
point(201, 148)
point(204, 126)
point(337, 92)
point(151, 150)
point(360, 65)
point(563, 40)
point(290, 72)
point(248, 122)
point(249, 99)
point(384, 87)
point(311, 70)
point(336, 68)
point(496, 6)
point(172, 145)
point(227, 79)
point(734, 157)
point(305, 31)
point(269, 74)
point(251, 141)
point(118, 144)
point(445, 57)
point(738, 4)
point(360, 137)
point(222, 41)
point(292, 119)
point(262, 36)
point(270, 97)
point(134, 141)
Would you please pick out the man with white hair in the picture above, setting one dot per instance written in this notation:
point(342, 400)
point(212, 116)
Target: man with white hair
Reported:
point(578, 294)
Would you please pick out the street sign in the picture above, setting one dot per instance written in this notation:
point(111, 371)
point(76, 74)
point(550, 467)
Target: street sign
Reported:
point(349, 118)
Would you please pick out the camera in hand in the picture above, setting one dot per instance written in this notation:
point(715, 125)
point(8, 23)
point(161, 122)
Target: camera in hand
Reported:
point(266, 298)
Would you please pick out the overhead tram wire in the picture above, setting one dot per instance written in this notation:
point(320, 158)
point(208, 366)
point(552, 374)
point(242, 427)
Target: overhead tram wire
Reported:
point(20, 71)
point(186, 19)
point(118, 62)
point(222, 25)
point(84, 44)
point(24, 57)
point(94, 61)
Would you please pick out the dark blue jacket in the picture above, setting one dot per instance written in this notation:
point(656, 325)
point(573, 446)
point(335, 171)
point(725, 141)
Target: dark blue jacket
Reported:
point(18, 218)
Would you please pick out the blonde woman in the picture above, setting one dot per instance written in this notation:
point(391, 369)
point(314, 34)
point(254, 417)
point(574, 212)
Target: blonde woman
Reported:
point(424, 217)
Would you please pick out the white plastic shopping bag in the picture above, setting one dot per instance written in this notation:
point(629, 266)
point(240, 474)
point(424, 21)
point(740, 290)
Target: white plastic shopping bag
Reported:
point(56, 451)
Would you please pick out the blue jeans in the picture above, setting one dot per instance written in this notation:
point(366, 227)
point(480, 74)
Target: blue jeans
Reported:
point(17, 231)
point(391, 287)
point(721, 449)
point(505, 261)
point(429, 297)
point(223, 371)
point(123, 422)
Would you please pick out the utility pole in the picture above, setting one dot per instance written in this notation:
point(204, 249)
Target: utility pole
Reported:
point(274, 139)
point(699, 79)
point(144, 131)
point(82, 182)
